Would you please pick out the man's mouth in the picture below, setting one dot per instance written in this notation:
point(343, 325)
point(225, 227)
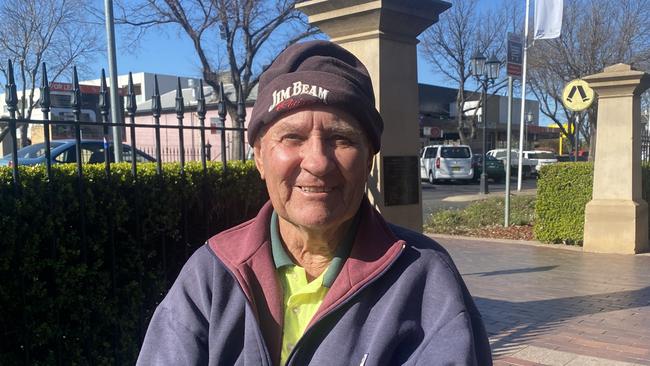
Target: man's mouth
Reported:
point(307, 189)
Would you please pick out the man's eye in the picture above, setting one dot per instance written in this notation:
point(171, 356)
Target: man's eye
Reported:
point(342, 140)
point(292, 138)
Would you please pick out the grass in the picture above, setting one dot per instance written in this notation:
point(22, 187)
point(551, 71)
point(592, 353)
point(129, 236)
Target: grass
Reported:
point(485, 218)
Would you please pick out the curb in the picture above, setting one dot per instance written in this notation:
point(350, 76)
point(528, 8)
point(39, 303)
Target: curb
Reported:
point(478, 196)
point(532, 243)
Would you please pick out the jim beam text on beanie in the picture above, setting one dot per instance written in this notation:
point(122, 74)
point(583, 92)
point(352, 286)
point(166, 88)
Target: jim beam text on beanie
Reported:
point(298, 88)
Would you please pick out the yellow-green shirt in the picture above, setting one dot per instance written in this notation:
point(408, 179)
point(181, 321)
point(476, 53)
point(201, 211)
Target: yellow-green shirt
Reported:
point(301, 298)
point(301, 301)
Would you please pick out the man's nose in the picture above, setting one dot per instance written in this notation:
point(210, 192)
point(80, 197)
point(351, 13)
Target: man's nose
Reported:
point(317, 157)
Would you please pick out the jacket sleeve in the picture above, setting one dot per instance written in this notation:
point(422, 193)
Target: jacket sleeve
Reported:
point(462, 335)
point(178, 331)
point(482, 348)
point(468, 327)
point(455, 345)
point(169, 342)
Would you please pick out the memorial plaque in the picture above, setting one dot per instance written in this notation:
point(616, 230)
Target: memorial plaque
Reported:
point(401, 180)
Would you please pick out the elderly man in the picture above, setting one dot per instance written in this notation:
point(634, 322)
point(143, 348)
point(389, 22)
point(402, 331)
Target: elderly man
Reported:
point(318, 277)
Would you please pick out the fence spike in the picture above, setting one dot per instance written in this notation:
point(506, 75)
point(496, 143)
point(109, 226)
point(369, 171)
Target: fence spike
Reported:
point(45, 103)
point(155, 100)
point(180, 107)
point(75, 102)
point(222, 118)
point(131, 105)
point(222, 102)
point(45, 100)
point(241, 108)
point(200, 107)
point(103, 102)
point(11, 96)
point(241, 120)
point(200, 111)
point(180, 113)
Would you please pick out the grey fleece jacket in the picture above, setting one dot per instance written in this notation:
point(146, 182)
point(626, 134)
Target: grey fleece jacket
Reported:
point(398, 300)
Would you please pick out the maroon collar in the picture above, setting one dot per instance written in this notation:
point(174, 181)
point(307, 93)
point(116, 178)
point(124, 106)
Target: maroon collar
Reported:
point(246, 252)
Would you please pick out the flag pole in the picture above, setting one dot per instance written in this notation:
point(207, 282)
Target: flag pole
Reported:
point(523, 103)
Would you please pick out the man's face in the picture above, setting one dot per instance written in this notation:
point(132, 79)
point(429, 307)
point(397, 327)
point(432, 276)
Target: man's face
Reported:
point(315, 163)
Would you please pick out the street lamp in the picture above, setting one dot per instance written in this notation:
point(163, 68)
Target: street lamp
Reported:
point(485, 72)
point(529, 121)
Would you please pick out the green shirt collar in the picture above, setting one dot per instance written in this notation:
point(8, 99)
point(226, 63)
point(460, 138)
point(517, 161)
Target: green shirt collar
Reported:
point(281, 258)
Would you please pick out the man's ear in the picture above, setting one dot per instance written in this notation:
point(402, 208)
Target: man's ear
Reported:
point(257, 150)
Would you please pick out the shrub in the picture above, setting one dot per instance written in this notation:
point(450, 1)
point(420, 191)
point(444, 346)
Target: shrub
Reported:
point(70, 301)
point(482, 213)
point(563, 190)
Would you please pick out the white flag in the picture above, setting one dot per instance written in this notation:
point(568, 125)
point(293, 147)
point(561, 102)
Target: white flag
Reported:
point(548, 18)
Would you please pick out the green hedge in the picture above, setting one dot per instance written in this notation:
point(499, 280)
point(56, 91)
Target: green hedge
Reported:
point(60, 301)
point(563, 190)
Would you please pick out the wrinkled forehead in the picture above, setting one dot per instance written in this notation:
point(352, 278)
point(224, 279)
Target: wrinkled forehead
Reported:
point(325, 118)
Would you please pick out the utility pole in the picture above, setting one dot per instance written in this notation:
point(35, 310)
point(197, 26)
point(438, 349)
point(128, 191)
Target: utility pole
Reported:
point(116, 116)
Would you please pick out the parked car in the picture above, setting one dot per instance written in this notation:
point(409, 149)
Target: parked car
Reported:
point(569, 158)
point(494, 168)
point(527, 165)
point(541, 158)
point(446, 162)
point(64, 151)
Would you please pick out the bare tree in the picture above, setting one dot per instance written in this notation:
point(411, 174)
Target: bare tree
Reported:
point(595, 34)
point(57, 32)
point(230, 35)
point(450, 44)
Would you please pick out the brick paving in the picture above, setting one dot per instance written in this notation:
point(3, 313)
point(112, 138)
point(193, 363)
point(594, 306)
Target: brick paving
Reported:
point(548, 306)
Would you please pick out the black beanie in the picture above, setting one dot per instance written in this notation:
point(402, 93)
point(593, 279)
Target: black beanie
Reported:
point(316, 72)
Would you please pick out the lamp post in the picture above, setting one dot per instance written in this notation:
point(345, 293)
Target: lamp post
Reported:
point(485, 72)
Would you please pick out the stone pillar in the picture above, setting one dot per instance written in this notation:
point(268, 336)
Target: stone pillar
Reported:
point(616, 219)
point(38, 133)
point(382, 34)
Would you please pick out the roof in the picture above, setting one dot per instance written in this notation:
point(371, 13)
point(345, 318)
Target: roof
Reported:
point(168, 100)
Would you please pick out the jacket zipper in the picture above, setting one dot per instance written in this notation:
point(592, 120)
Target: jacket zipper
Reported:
point(334, 309)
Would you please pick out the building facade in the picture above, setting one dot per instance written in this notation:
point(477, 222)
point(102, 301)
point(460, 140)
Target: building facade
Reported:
point(439, 123)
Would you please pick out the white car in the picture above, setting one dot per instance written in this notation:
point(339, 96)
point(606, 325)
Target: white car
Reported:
point(527, 165)
point(541, 158)
point(446, 162)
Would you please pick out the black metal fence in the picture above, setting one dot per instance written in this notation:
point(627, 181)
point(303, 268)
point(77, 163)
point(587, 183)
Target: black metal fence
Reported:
point(159, 152)
point(172, 154)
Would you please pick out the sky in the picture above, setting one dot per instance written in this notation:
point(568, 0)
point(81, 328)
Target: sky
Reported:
point(171, 53)
point(167, 50)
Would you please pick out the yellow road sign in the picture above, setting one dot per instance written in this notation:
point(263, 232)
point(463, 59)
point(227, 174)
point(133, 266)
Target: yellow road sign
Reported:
point(577, 95)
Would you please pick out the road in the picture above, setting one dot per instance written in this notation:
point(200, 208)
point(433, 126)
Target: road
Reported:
point(458, 195)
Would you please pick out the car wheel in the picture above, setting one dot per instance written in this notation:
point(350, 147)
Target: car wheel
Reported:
point(431, 180)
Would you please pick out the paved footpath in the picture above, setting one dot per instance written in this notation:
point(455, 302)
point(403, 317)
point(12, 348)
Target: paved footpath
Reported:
point(549, 306)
